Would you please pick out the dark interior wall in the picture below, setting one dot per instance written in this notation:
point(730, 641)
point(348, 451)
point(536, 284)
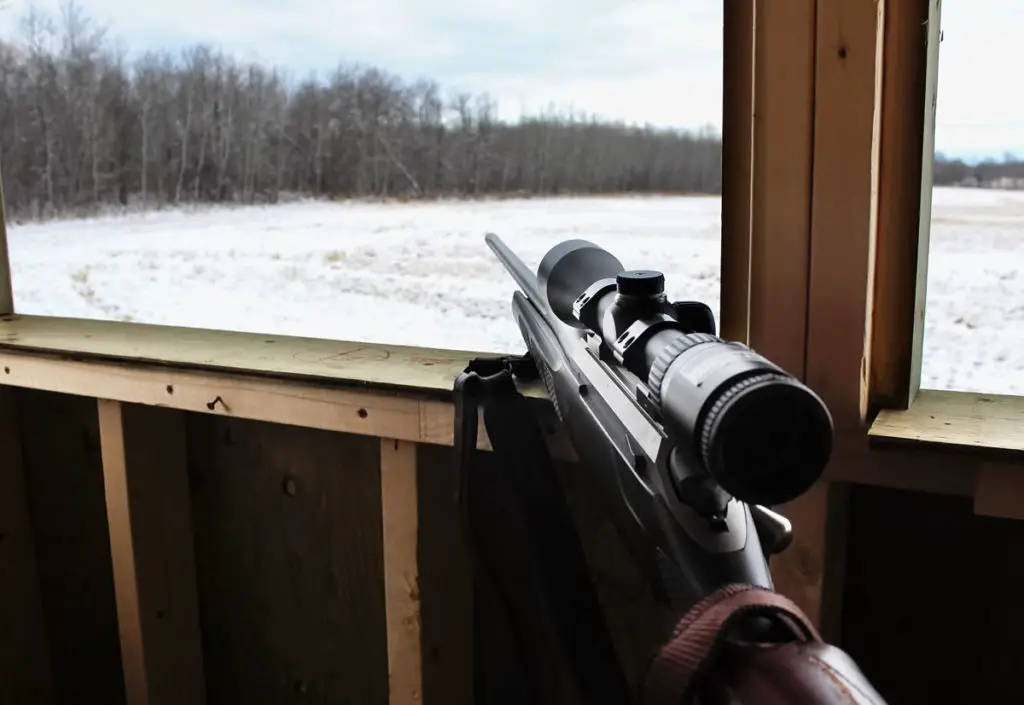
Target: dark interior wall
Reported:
point(64, 487)
point(289, 563)
point(932, 606)
point(287, 526)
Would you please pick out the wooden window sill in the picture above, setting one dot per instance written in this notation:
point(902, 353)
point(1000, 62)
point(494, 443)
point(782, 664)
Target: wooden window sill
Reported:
point(403, 393)
point(988, 423)
point(314, 359)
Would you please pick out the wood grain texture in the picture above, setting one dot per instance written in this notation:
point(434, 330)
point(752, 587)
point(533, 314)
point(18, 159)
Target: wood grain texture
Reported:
point(783, 159)
point(25, 674)
point(737, 165)
point(781, 211)
point(964, 420)
point(400, 510)
point(899, 260)
point(129, 613)
point(146, 483)
point(289, 563)
point(845, 92)
point(934, 24)
point(379, 413)
point(355, 363)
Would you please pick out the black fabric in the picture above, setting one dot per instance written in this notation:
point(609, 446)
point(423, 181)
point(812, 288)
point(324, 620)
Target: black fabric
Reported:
point(539, 632)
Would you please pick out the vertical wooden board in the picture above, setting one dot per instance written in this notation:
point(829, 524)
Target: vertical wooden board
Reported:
point(60, 446)
point(780, 231)
point(6, 285)
point(400, 512)
point(157, 455)
point(784, 105)
point(289, 563)
point(893, 297)
point(845, 87)
point(927, 165)
point(445, 581)
point(122, 550)
point(24, 660)
point(146, 482)
point(737, 165)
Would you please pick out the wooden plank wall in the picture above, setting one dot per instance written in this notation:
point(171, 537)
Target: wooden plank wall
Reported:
point(189, 557)
point(192, 558)
point(289, 562)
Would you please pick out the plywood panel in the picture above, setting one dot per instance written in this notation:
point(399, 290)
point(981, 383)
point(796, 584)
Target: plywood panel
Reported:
point(289, 563)
point(60, 443)
point(24, 660)
point(446, 590)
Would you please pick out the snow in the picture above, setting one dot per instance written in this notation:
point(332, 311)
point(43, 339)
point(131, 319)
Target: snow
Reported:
point(421, 274)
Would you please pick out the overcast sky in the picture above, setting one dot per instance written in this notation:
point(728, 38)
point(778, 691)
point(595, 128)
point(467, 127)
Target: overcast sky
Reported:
point(657, 61)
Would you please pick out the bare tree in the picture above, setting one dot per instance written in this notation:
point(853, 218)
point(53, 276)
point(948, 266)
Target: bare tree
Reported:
point(80, 127)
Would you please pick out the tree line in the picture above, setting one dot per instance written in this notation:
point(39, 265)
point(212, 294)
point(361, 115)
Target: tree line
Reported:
point(1008, 173)
point(82, 127)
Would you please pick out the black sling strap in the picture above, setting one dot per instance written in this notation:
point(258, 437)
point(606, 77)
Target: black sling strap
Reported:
point(539, 632)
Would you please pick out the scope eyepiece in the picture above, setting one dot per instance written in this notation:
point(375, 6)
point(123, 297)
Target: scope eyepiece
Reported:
point(764, 436)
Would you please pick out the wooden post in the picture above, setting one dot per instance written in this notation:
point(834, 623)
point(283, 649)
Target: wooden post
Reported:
point(781, 210)
point(401, 570)
point(6, 287)
point(848, 48)
point(905, 146)
point(146, 484)
point(737, 166)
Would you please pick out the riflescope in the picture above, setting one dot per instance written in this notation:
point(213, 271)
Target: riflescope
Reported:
point(759, 432)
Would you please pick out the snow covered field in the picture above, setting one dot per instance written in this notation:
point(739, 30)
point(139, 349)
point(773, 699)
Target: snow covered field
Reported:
point(421, 274)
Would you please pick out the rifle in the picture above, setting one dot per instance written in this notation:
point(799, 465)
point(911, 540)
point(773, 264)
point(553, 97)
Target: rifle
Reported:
point(690, 438)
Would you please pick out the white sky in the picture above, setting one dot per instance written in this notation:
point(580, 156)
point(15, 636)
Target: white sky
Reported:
point(657, 61)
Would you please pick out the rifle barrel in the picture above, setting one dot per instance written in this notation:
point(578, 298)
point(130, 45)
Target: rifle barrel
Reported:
point(526, 279)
